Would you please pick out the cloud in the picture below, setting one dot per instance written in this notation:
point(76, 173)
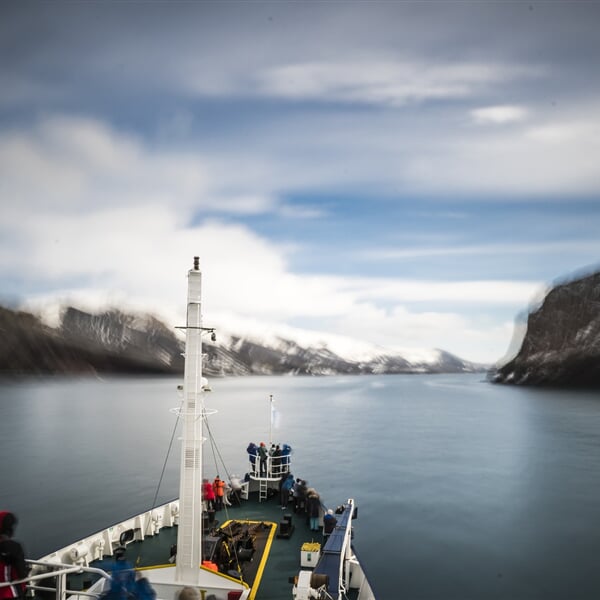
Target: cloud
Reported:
point(499, 115)
point(78, 164)
point(434, 152)
point(74, 163)
point(472, 337)
point(390, 83)
point(101, 215)
point(137, 257)
point(549, 160)
point(302, 212)
point(534, 248)
point(482, 292)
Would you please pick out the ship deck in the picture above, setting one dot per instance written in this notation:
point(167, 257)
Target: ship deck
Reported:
point(273, 575)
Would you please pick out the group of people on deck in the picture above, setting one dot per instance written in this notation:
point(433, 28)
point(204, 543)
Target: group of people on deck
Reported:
point(275, 462)
point(218, 493)
point(213, 493)
point(307, 501)
point(272, 462)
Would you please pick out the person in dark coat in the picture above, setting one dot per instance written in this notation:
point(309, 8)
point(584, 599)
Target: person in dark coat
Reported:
point(276, 460)
point(252, 451)
point(313, 505)
point(329, 523)
point(12, 558)
point(286, 488)
point(262, 456)
point(302, 490)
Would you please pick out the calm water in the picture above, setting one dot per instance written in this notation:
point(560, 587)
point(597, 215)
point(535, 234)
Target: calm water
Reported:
point(465, 490)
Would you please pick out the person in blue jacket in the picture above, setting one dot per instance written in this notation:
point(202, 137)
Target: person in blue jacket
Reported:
point(286, 450)
point(286, 489)
point(252, 451)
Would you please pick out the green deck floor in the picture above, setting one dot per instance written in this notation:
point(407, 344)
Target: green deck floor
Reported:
point(284, 558)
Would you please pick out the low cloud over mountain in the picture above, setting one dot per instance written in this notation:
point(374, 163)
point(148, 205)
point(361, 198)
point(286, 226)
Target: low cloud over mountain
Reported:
point(116, 342)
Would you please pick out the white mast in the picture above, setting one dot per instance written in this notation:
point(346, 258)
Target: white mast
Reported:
point(189, 532)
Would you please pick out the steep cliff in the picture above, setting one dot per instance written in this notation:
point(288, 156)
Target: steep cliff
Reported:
point(562, 344)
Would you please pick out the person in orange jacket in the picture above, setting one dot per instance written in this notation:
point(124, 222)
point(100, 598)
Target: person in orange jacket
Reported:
point(219, 489)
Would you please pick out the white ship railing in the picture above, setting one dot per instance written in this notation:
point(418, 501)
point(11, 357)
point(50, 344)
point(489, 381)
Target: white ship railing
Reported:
point(59, 572)
point(276, 466)
point(104, 543)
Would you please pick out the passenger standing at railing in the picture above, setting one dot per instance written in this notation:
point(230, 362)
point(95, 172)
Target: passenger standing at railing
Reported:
point(285, 458)
point(276, 465)
point(313, 505)
point(219, 489)
point(295, 493)
point(329, 523)
point(252, 451)
point(262, 456)
point(12, 558)
point(287, 482)
point(271, 463)
point(300, 496)
point(208, 494)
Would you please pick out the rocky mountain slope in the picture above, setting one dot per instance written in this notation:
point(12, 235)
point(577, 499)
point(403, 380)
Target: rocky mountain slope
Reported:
point(115, 342)
point(109, 343)
point(562, 344)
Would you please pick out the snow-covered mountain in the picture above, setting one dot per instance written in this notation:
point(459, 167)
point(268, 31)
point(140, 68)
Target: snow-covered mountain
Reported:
point(114, 341)
point(298, 352)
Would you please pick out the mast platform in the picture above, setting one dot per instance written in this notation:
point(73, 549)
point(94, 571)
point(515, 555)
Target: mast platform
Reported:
point(268, 479)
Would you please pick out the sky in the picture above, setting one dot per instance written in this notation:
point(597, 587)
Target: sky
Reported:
point(407, 174)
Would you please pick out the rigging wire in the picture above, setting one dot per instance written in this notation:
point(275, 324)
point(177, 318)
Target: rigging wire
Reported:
point(216, 453)
point(162, 474)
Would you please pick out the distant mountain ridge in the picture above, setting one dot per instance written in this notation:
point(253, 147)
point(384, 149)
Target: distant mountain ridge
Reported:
point(116, 342)
point(562, 344)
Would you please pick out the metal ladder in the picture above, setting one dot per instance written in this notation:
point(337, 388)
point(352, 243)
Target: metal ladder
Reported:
point(262, 490)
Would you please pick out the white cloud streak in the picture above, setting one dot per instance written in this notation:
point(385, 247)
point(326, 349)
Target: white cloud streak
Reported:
point(553, 159)
point(499, 115)
point(382, 83)
point(535, 248)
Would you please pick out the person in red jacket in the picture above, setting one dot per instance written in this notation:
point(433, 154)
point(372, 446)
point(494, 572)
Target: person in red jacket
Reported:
point(208, 494)
point(12, 558)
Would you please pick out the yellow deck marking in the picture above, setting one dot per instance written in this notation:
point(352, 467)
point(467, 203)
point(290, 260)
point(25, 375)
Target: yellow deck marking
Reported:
point(150, 567)
point(261, 566)
point(265, 555)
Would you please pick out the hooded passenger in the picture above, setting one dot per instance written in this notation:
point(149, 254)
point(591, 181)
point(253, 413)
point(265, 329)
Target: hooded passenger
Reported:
point(263, 454)
point(252, 451)
point(12, 558)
